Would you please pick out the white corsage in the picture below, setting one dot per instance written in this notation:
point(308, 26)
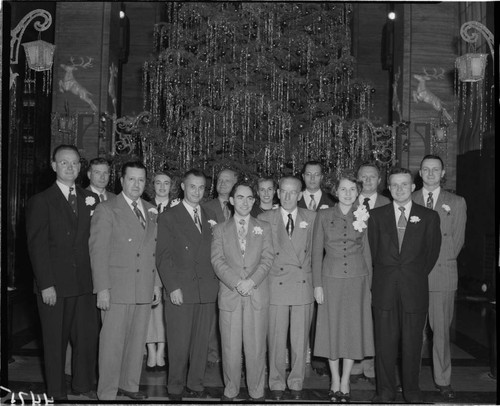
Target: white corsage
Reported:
point(257, 230)
point(362, 216)
point(212, 223)
point(175, 202)
point(446, 208)
point(90, 200)
point(414, 219)
point(323, 206)
point(303, 224)
point(153, 213)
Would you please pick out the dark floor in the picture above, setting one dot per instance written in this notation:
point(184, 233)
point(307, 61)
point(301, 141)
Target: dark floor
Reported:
point(473, 376)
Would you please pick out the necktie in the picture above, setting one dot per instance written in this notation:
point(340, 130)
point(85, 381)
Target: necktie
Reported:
point(289, 225)
point(72, 200)
point(430, 201)
point(139, 215)
point(197, 220)
point(401, 226)
point(101, 197)
point(242, 232)
point(226, 211)
point(312, 204)
point(159, 208)
point(366, 203)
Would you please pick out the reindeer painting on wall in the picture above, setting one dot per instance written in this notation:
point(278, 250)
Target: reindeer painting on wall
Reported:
point(70, 84)
point(422, 94)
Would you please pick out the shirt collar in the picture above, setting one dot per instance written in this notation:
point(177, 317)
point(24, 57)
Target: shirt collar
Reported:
point(435, 194)
point(284, 214)
point(407, 207)
point(93, 189)
point(237, 218)
point(371, 201)
point(190, 208)
point(129, 202)
point(65, 189)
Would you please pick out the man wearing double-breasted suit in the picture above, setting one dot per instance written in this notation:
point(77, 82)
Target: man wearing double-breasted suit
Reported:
point(122, 251)
point(443, 278)
point(404, 241)
point(183, 259)
point(242, 255)
point(58, 227)
point(291, 289)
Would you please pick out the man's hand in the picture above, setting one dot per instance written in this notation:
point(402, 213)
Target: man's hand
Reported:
point(49, 296)
point(176, 297)
point(103, 299)
point(156, 295)
point(244, 287)
point(318, 295)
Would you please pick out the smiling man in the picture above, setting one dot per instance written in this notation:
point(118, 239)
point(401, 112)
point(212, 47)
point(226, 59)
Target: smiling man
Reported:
point(242, 255)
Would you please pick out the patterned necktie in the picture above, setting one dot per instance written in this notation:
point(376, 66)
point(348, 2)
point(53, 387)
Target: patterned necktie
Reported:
point(101, 197)
point(401, 226)
point(366, 203)
point(242, 233)
point(312, 204)
point(72, 200)
point(225, 210)
point(197, 220)
point(139, 215)
point(159, 208)
point(430, 201)
point(289, 225)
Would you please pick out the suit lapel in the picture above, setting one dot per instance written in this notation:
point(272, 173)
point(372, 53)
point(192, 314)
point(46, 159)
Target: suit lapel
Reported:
point(392, 226)
point(418, 197)
point(61, 202)
point(299, 236)
point(284, 241)
point(130, 217)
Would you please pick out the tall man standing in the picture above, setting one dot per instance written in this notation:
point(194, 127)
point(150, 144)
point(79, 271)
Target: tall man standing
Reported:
point(404, 240)
point(242, 254)
point(443, 279)
point(122, 250)
point(314, 199)
point(290, 281)
point(184, 262)
point(98, 174)
point(58, 228)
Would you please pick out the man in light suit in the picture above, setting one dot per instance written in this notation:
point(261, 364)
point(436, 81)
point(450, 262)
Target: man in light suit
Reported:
point(242, 255)
point(98, 174)
point(290, 281)
point(58, 227)
point(369, 175)
point(122, 251)
point(404, 241)
point(183, 259)
point(443, 279)
point(223, 210)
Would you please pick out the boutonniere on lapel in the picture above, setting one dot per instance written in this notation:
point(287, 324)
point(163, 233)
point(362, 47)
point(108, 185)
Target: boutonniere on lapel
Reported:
point(323, 206)
point(303, 224)
point(90, 200)
point(212, 223)
point(446, 208)
point(414, 219)
point(175, 202)
point(257, 230)
point(361, 215)
point(153, 214)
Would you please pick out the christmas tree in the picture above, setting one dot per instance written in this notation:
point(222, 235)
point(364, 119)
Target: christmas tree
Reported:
point(262, 87)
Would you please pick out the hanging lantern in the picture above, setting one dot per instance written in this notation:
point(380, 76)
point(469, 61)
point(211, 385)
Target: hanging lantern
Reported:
point(39, 54)
point(471, 67)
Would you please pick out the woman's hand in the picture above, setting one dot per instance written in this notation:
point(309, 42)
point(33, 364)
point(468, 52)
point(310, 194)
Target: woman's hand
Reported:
point(318, 295)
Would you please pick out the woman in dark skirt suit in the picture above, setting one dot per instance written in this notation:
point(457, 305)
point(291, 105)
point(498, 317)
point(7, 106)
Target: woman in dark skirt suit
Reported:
point(341, 265)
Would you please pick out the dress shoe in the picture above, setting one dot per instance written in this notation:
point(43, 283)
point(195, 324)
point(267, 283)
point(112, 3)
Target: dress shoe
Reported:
point(321, 371)
point(371, 381)
point(225, 398)
point(296, 394)
point(175, 396)
point(399, 388)
point(151, 369)
point(132, 395)
point(257, 400)
point(446, 392)
point(334, 396)
point(199, 394)
point(91, 394)
point(355, 378)
point(277, 394)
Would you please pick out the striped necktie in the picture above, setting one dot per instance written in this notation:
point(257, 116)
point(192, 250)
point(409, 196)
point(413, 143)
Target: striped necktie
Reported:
point(139, 215)
point(197, 220)
point(312, 204)
point(401, 226)
point(72, 200)
point(430, 201)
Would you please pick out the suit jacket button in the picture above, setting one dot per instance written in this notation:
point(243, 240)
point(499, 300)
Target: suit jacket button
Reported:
point(300, 267)
point(281, 269)
point(153, 271)
point(445, 234)
point(244, 267)
point(281, 283)
point(154, 254)
point(345, 271)
point(137, 270)
point(303, 281)
point(345, 263)
point(277, 253)
point(138, 255)
point(68, 233)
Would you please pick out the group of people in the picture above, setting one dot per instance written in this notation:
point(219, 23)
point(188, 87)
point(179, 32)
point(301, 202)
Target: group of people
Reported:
point(259, 271)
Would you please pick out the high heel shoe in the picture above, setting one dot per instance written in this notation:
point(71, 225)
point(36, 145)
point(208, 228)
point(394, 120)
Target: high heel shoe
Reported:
point(334, 397)
point(345, 397)
point(151, 369)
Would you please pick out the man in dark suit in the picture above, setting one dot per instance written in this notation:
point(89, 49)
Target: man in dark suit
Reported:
point(314, 199)
point(184, 263)
point(58, 228)
point(122, 251)
point(443, 279)
point(242, 254)
point(98, 174)
point(404, 240)
point(369, 175)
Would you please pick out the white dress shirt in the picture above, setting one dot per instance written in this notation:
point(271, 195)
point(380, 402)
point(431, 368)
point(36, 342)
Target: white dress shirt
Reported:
point(139, 205)
point(307, 197)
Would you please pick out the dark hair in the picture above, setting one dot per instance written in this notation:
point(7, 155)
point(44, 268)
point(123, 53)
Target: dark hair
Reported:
point(311, 163)
point(194, 172)
point(430, 156)
point(235, 173)
point(266, 178)
point(369, 165)
point(347, 175)
point(290, 177)
point(132, 164)
point(63, 147)
point(98, 161)
point(396, 170)
point(242, 183)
